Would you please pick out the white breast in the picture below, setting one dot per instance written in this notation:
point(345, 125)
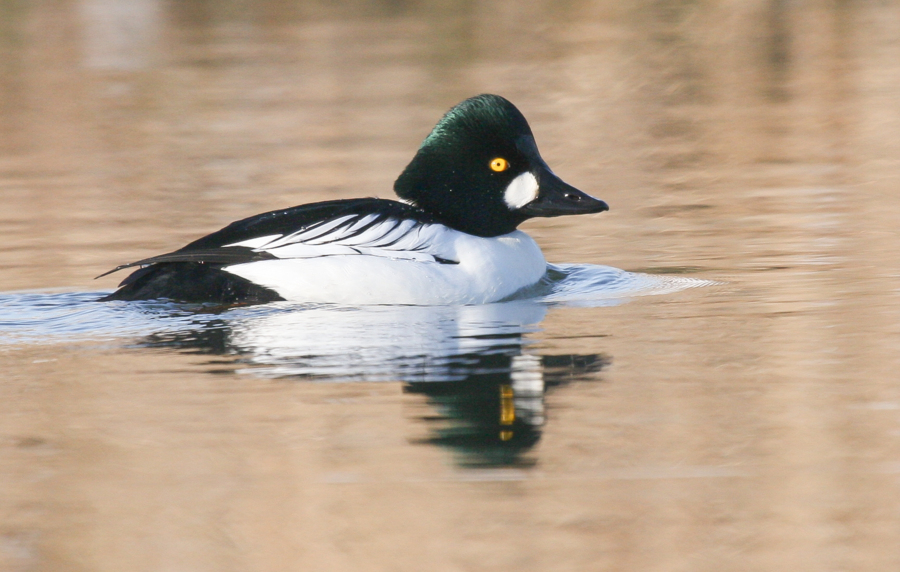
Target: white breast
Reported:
point(403, 270)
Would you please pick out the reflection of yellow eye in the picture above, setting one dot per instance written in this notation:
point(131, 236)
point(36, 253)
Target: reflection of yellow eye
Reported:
point(499, 164)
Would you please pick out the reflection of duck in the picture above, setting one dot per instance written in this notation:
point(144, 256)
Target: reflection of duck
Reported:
point(497, 413)
point(473, 181)
point(375, 343)
point(472, 362)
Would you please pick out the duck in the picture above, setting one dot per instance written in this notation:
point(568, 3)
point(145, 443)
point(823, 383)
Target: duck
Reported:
point(452, 238)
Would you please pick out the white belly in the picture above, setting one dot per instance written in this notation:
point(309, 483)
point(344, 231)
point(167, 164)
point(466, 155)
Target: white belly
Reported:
point(489, 270)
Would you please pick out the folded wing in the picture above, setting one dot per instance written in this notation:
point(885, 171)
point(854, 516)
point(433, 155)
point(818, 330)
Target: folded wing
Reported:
point(361, 227)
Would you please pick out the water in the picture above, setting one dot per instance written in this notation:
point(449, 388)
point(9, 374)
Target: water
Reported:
point(474, 361)
point(748, 422)
point(403, 332)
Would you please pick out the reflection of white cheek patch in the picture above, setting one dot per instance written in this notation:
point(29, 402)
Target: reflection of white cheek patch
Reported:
point(521, 191)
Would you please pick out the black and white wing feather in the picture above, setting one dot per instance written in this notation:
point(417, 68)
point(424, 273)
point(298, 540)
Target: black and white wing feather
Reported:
point(369, 235)
point(371, 227)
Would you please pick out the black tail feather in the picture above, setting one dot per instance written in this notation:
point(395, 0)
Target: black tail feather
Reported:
point(192, 282)
point(221, 256)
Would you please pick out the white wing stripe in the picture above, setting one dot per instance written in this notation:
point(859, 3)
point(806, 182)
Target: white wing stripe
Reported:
point(333, 233)
point(354, 235)
point(309, 234)
point(258, 242)
point(300, 250)
point(378, 234)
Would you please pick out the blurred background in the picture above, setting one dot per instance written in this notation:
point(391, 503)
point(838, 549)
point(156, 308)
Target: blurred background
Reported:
point(751, 425)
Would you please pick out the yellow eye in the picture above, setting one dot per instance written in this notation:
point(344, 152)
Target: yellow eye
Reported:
point(499, 165)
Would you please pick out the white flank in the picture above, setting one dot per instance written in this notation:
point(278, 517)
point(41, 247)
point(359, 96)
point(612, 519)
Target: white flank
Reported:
point(354, 271)
point(521, 191)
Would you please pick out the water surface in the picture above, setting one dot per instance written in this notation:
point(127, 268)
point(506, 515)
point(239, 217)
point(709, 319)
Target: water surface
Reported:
point(753, 424)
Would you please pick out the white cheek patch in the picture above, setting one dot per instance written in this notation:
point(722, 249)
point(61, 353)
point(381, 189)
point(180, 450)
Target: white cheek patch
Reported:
point(521, 191)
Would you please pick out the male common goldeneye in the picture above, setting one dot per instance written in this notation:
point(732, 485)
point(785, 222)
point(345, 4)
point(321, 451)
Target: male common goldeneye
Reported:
point(453, 240)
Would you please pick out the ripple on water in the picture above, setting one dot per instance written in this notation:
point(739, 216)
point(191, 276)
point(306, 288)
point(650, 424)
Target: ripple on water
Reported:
point(39, 317)
point(592, 285)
